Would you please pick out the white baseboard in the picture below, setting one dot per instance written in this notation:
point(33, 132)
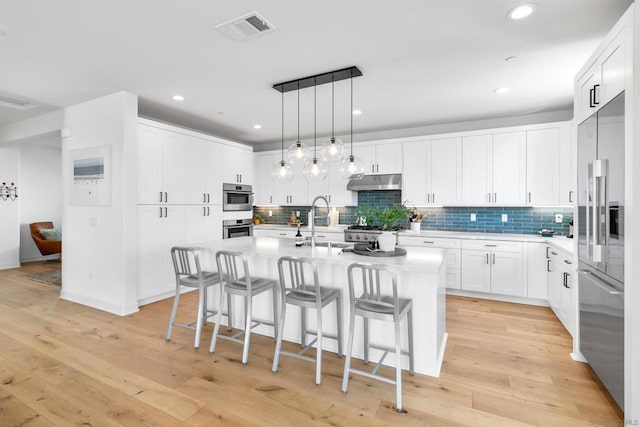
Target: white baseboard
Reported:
point(98, 304)
point(496, 297)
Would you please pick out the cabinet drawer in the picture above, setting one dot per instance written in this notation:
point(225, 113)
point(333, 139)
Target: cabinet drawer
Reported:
point(492, 245)
point(453, 259)
point(453, 278)
point(438, 242)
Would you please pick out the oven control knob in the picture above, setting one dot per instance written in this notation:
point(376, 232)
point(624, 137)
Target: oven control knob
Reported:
point(358, 237)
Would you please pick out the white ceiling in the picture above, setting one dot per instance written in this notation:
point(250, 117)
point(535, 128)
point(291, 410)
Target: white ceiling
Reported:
point(424, 61)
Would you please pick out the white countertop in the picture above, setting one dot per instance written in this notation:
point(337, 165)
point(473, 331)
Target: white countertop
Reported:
point(560, 242)
point(418, 259)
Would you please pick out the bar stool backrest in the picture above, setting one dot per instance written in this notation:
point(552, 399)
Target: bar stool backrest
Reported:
point(186, 262)
point(228, 267)
point(369, 285)
point(292, 276)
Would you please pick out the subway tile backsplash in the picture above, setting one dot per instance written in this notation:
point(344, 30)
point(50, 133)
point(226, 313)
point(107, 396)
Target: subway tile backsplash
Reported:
point(520, 220)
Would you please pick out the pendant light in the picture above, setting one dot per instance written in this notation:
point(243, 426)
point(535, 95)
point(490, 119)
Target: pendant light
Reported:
point(298, 152)
point(315, 169)
point(333, 148)
point(351, 167)
point(282, 171)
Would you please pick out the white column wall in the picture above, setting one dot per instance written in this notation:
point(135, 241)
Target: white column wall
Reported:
point(10, 210)
point(98, 267)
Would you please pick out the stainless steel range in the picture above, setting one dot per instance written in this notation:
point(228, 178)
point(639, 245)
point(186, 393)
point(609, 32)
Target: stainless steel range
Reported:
point(362, 234)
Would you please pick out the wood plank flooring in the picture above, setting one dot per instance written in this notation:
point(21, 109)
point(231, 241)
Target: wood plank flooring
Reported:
point(66, 364)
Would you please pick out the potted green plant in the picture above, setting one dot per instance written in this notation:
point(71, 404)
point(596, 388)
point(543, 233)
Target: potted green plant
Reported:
point(258, 219)
point(388, 218)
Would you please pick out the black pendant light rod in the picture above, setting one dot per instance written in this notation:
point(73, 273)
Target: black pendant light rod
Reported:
point(333, 115)
point(298, 114)
point(314, 123)
point(318, 79)
point(282, 136)
point(351, 115)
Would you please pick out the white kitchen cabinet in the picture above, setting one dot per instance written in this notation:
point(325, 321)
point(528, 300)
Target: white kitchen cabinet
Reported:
point(381, 158)
point(159, 229)
point(161, 166)
point(537, 276)
point(263, 186)
point(203, 224)
point(603, 80)
point(561, 276)
point(543, 166)
point(492, 267)
point(292, 193)
point(203, 171)
point(453, 259)
point(493, 169)
point(432, 172)
point(337, 192)
point(237, 167)
point(267, 191)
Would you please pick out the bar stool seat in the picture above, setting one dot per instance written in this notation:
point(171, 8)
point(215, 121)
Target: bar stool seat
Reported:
point(368, 300)
point(295, 290)
point(238, 281)
point(186, 265)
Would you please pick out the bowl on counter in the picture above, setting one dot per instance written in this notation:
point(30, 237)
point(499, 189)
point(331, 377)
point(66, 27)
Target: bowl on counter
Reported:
point(546, 233)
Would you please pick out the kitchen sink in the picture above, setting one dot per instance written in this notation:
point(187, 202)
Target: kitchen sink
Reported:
point(339, 245)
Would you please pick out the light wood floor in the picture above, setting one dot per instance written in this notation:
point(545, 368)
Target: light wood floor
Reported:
point(66, 364)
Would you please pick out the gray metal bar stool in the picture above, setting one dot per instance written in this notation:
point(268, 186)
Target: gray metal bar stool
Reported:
point(239, 282)
point(295, 290)
point(367, 299)
point(186, 264)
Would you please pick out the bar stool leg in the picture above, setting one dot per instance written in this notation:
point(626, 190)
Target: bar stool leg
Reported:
point(206, 303)
point(303, 327)
point(247, 329)
point(279, 333)
point(410, 332)
point(201, 315)
point(319, 348)
point(275, 313)
point(174, 310)
point(398, 369)
point(366, 341)
point(347, 360)
point(216, 328)
point(229, 316)
point(339, 334)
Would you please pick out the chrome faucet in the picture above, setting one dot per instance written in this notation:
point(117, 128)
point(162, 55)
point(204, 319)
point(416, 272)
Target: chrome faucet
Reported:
point(313, 218)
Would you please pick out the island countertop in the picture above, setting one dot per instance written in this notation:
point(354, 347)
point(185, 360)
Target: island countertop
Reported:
point(417, 259)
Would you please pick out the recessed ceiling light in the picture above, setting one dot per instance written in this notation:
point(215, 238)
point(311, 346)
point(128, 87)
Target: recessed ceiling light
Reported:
point(257, 126)
point(357, 112)
point(522, 11)
point(178, 98)
point(501, 90)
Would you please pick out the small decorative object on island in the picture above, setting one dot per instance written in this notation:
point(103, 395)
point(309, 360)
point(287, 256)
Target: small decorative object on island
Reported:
point(299, 240)
point(387, 217)
point(258, 219)
point(387, 241)
point(415, 219)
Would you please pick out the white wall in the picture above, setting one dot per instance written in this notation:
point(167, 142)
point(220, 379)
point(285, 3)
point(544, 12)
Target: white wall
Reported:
point(10, 210)
point(99, 263)
point(41, 189)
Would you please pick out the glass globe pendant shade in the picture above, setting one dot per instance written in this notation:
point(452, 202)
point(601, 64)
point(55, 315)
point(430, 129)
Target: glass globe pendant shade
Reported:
point(315, 169)
point(298, 153)
point(351, 167)
point(333, 150)
point(282, 171)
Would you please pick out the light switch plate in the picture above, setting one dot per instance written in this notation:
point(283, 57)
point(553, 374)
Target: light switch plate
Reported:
point(270, 213)
point(472, 217)
point(559, 218)
point(505, 217)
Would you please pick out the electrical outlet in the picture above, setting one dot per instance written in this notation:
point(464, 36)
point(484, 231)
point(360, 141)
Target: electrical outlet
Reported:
point(472, 217)
point(505, 217)
point(298, 214)
point(270, 213)
point(559, 218)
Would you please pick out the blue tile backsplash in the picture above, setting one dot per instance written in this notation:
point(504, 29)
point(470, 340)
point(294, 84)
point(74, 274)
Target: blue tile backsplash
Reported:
point(520, 220)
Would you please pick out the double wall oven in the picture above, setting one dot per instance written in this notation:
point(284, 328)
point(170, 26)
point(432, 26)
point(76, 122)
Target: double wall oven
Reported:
point(237, 228)
point(237, 197)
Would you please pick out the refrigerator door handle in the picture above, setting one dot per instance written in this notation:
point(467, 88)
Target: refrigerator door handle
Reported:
point(596, 226)
point(589, 198)
point(602, 285)
point(605, 184)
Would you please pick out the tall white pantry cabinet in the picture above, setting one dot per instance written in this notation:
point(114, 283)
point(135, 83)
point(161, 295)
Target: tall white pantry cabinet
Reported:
point(179, 197)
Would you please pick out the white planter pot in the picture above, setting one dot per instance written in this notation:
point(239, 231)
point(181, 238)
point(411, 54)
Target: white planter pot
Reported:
point(387, 241)
point(414, 226)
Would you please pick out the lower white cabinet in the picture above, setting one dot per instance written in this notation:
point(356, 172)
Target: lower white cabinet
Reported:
point(537, 276)
point(561, 273)
point(492, 267)
point(453, 254)
point(203, 224)
point(159, 229)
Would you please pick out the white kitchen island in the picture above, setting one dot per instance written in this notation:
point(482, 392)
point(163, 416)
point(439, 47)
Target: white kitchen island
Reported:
point(421, 277)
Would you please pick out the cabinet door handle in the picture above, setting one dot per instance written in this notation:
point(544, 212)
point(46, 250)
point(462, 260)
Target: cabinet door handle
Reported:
point(160, 211)
point(240, 177)
point(591, 97)
point(204, 198)
point(529, 197)
point(165, 197)
point(493, 257)
point(571, 196)
point(329, 198)
point(495, 197)
point(433, 197)
point(595, 93)
point(490, 246)
point(426, 241)
point(377, 167)
point(489, 197)
point(428, 198)
point(566, 261)
point(161, 197)
point(372, 168)
point(487, 258)
point(165, 212)
point(548, 252)
point(282, 234)
point(204, 211)
point(208, 211)
point(554, 253)
point(270, 199)
point(549, 265)
point(208, 197)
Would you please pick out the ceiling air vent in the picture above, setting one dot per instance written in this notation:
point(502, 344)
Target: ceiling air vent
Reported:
point(18, 104)
point(245, 27)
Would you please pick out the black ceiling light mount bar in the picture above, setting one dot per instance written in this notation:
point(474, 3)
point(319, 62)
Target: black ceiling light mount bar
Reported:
point(318, 79)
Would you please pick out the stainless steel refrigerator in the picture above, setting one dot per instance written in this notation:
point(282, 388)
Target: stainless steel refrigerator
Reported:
point(601, 244)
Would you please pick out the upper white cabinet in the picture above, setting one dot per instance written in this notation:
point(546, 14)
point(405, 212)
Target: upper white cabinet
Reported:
point(379, 158)
point(161, 166)
point(334, 188)
point(543, 166)
point(263, 187)
point(203, 171)
point(433, 172)
point(603, 80)
point(493, 169)
point(237, 166)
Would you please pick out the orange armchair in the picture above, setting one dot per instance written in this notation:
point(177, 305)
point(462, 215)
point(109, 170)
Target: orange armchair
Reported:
point(46, 247)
